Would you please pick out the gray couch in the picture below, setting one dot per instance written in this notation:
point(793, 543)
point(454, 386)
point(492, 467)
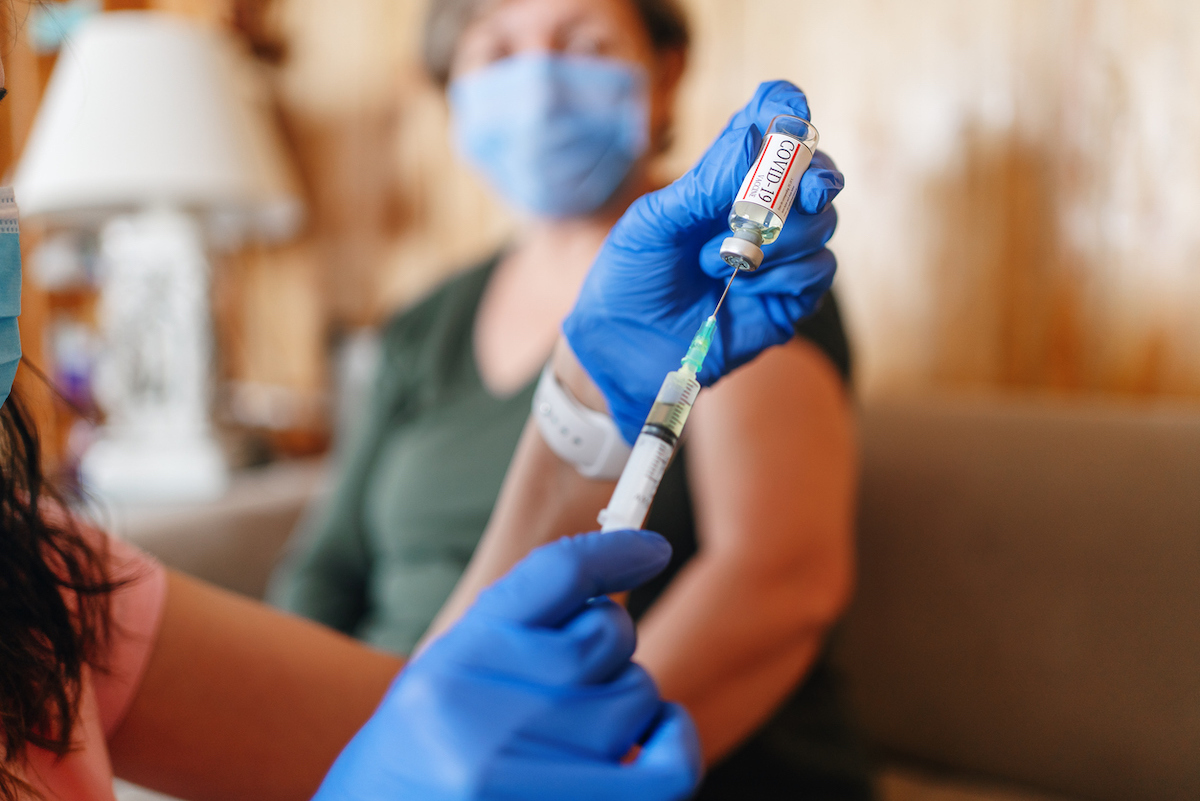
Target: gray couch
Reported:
point(1029, 597)
point(1028, 612)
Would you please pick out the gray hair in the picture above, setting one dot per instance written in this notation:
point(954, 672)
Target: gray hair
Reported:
point(665, 22)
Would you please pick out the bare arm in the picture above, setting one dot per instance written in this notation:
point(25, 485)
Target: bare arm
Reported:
point(771, 461)
point(240, 701)
point(774, 485)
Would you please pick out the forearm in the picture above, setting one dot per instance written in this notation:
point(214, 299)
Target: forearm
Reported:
point(730, 644)
point(773, 490)
point(240, 701)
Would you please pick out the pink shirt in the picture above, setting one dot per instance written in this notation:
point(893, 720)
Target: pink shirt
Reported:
point(85, 774)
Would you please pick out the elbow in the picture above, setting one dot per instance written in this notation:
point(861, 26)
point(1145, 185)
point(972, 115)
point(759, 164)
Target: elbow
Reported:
point(826, 583)
point(805, 589)
point(840, 583)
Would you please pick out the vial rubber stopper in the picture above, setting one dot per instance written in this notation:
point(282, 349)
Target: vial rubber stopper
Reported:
point(741, 253)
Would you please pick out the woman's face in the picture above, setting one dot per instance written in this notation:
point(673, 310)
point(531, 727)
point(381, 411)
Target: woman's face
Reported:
point(605, 28)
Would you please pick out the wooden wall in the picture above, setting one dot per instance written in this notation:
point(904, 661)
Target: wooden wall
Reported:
point(1023, 180)
point(1023, 176)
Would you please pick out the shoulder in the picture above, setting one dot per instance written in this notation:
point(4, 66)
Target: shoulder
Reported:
point(782, 401)
point(135, 615)
point(794, 384)
point(824, 329)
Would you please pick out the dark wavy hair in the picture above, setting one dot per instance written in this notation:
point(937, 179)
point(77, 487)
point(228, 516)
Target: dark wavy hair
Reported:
point(54, 605)
point(55, 590)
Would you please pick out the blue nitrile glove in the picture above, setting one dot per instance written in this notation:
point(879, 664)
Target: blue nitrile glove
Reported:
point(659, 273)
point(531, 695)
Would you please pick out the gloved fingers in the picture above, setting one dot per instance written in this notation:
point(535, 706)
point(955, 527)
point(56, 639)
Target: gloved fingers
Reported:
point(671, 754)
point(705, 193)
point(565, 777)
point(804, 234)
point(630, 393)
point(795, 277)
point(601, 720)
point(771, 99)
point(668, 769)
point(551, 585)
point(589, 649)
point(819, 185)
point(785, 311)
point(602, 639)
point(775, 317)
point(701, 197)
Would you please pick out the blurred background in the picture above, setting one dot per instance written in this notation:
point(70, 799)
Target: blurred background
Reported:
point(1023, 186)
point(1019, 228)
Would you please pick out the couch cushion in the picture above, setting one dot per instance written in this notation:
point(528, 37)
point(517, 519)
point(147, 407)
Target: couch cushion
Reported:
point(1029, 598)
point(904, 784)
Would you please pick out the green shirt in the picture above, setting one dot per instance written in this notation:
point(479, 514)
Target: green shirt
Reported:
point(418, 483)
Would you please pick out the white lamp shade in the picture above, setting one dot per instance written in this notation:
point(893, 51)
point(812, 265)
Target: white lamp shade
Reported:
point(147, 109)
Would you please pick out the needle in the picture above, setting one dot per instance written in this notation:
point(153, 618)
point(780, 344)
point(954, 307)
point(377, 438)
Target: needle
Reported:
point(726, 292)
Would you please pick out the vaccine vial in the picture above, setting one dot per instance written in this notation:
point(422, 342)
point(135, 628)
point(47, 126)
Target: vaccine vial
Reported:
point(767, 192)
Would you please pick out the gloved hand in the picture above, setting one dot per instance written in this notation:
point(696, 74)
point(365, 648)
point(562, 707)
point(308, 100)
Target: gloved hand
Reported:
point(531, 695)
point(659, 273)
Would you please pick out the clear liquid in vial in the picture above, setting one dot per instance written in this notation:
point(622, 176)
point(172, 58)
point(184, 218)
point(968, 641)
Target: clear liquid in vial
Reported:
point(750, 216)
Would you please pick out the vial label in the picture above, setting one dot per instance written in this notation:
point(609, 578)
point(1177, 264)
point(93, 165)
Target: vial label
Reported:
point(775, 177)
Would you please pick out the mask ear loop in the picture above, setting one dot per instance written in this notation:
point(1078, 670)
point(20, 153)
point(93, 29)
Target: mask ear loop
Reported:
point(89, 416)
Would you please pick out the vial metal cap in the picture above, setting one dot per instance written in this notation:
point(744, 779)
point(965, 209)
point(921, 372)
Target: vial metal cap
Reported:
point(741, 254)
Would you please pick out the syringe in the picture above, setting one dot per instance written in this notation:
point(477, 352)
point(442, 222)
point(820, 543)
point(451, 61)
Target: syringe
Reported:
point(655, 445)
point(756, 218)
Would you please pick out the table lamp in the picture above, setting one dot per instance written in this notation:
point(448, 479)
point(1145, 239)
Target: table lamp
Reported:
point(154, 130)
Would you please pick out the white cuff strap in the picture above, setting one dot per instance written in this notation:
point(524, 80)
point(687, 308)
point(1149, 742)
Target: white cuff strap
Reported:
point(581, 436)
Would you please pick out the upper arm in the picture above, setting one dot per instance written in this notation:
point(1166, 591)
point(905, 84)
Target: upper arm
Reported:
point(773, 467)
point(241, 701)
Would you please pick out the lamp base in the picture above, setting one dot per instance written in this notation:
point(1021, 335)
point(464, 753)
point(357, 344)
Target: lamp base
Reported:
point(122, 471)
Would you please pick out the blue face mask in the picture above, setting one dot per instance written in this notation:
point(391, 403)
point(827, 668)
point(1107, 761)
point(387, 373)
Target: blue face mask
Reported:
point(554, 134)
point(10, 292)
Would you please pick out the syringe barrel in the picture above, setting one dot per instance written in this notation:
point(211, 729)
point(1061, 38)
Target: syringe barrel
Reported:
point(630, 502)
point(651, 454)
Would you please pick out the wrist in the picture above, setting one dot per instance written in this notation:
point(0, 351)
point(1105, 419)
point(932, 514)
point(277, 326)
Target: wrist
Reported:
point(582, 434)
point(578, 433)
